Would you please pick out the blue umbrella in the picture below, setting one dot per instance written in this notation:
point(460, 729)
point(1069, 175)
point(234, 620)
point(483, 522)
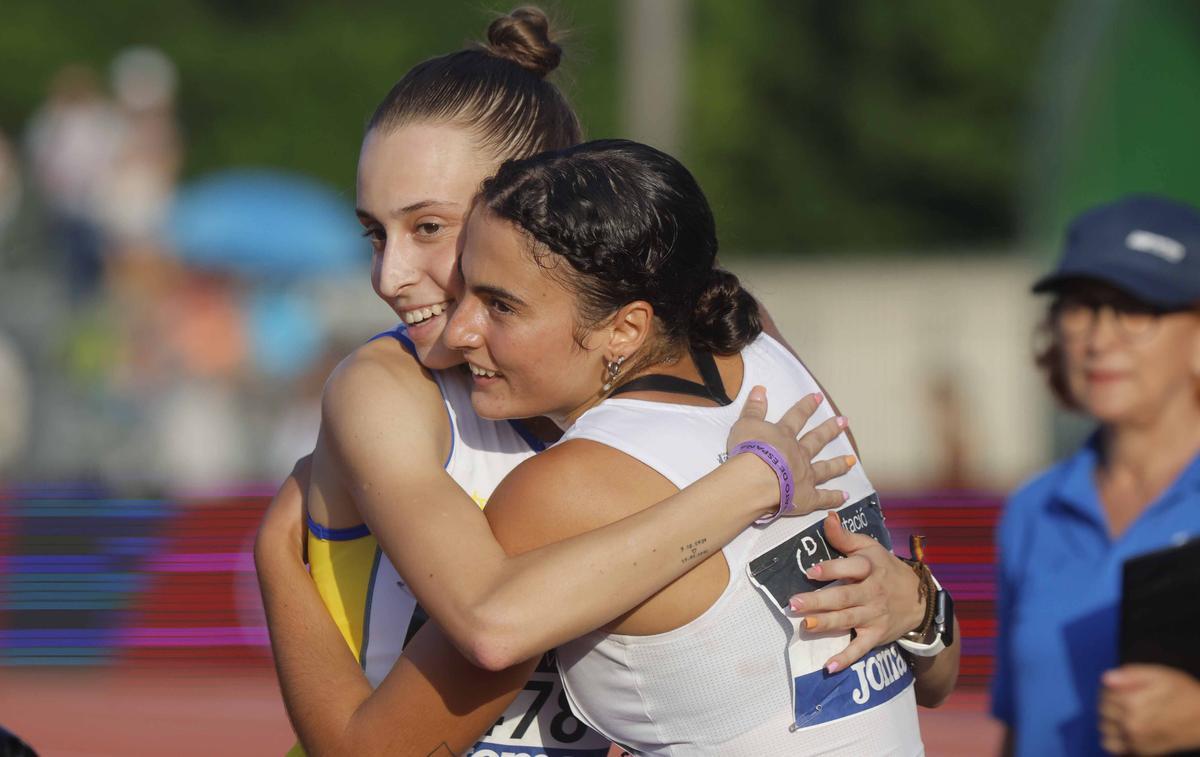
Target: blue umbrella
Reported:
point(286, 333)
point(266, 223)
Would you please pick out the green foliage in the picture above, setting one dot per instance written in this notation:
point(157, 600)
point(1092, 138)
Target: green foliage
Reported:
point(819, 125)
point(1129, 123)
point(813, 124)
point(274, 82)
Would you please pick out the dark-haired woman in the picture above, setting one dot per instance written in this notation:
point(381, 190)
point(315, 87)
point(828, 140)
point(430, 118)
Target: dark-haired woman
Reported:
point(591, 297)
point(1124, 324)
point(403, 465)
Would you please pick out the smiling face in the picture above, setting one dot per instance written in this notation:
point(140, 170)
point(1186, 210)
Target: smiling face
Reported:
point(1122, 364)
point(516, 326)
point(415, 185)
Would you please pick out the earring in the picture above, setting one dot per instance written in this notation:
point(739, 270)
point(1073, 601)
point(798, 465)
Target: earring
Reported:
point(614, 369)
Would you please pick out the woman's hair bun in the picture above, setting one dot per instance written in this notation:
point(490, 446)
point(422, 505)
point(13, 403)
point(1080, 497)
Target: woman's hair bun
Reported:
point(726, 317)
point(523, 37)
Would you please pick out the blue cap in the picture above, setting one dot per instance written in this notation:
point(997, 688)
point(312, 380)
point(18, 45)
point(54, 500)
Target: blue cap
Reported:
point(1145, 245)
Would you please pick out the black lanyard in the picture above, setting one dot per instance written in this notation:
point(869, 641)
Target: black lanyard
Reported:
point(712, 388)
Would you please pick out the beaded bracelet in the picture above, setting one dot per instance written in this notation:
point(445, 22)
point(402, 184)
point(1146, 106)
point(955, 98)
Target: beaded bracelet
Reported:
point(926, 587)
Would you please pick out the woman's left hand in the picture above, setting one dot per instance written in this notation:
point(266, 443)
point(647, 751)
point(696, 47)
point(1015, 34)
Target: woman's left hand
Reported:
point(879, 598)
point(1149, 709)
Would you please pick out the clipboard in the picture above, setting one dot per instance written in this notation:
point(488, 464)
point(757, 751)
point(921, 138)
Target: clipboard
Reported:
point(1160, 608)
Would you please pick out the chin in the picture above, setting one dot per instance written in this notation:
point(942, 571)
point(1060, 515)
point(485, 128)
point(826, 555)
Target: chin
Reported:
point(496, 409)
point(1108, 410)
point(436, 357)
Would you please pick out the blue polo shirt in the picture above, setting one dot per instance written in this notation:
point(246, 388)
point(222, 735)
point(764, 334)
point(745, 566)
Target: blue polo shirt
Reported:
point(1059, 591)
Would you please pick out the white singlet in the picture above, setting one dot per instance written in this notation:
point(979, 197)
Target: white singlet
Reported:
point(356, 580)
point(744, 678)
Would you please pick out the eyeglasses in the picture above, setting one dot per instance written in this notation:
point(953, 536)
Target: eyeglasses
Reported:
point(1077, 316)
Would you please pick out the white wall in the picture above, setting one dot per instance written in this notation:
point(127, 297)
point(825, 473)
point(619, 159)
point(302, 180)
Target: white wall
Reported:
point(879, 333)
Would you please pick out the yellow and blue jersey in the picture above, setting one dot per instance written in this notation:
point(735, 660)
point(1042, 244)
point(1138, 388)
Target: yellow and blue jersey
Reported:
point(377, 613)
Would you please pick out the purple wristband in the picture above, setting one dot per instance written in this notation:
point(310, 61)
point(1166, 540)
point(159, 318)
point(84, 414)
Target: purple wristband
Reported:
point(772, 457)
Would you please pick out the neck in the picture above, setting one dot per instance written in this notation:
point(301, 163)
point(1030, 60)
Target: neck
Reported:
point(1149, 451)
point(682, 366)
point(565, 420)
point(543, 428)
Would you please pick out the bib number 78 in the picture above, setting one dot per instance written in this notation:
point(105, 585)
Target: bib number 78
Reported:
point(564, 726)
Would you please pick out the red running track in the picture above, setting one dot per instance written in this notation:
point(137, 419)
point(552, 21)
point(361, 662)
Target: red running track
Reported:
point(148, 711)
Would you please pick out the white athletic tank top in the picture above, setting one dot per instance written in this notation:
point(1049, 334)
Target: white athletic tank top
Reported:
point(482, 453)
point(744, 678)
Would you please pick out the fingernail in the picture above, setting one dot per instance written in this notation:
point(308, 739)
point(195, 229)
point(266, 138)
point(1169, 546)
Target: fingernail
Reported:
point(850, 460)
point(842, 422)
point(832, 667)
point(810, 624)
point(814, 571)
point(819, 397)
point(845, 496)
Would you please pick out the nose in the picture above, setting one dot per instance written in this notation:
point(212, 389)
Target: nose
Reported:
point(463, 331)
point(1104, 330)
point(394, 270)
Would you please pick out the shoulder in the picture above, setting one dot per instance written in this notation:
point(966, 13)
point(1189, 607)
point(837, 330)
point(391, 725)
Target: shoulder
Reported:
point(770, 348)
point(576, 486)
point(1035, 493)
point(380, 370)
point(1027, 504)
point(381, 393)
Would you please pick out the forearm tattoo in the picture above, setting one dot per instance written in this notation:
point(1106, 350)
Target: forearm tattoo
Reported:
point(693, 550)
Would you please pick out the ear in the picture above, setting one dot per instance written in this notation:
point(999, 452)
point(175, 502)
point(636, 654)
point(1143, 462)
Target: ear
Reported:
point(629, 329)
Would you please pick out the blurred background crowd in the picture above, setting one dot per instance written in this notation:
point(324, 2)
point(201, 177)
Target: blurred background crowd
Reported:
point(180, 267)
point(159, 331)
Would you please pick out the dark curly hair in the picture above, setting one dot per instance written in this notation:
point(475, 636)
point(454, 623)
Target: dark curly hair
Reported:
point(633, 224)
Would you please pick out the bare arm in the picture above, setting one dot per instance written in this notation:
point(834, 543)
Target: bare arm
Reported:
point(937, 675)
point(433, 695)
point(432, 698)
point(423, 521)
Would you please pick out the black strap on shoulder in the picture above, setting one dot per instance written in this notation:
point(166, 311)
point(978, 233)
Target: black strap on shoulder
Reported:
point(657, 382)
point(712, 388)
point(712, 377)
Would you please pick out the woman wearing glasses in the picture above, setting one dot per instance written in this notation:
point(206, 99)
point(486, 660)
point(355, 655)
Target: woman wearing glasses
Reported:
point(1124, 350)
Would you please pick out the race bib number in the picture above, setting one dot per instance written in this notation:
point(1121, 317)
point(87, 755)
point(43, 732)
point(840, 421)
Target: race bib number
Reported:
point(539, 723)
point(779, 573)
